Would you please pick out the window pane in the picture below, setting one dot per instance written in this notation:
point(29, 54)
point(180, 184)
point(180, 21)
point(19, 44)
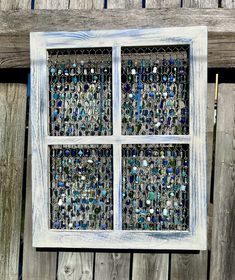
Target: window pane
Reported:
point(80, 92)
point(81, 187)
point(155, 187)
point(155, 90)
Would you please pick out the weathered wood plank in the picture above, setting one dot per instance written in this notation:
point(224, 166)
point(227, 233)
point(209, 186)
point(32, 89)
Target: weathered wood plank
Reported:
point(15, 4)
point(73, 266)
point(133, 4)
point(189, 266)
point(150, 266)
point(80, 4)
point(152, 4)
point(98, 4)
point(200, 4)
point(223, 242)
point(37, 265)
point(194, 266)
point(229, 4)
point(14, 32)
point(12, 132)
point(160, 4)
point(51, 4)
point(112, 266)
point(116, 4)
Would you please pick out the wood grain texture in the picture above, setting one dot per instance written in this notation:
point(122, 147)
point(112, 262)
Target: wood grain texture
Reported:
point(150, 266)
point(113, 266)
point(228, 4)
point(14, 32)
point(116, 4)
point(81, 4)
point(133, 4)
point(194, 266)
point(15, 4)
point(51, 4)
point(74, 265)
point(200, 4)
point(161, 4)
point(98, 4)
point(37, 265)
point(12, 132)
point(223, 242)
point(189, 266)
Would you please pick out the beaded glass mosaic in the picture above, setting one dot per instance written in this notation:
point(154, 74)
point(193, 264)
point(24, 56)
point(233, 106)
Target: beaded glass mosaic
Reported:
point(154, 101)
point(155, 90)
point(80, 85)
point(81, 187)
point(155, 194)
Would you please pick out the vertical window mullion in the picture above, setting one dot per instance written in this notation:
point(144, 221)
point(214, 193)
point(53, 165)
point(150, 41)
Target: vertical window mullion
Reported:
point(117, 165)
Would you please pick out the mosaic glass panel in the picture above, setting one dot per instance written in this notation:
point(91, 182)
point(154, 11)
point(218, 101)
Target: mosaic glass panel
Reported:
point(155, 191)
point(80, 92)
point(155, 90)
point(81, 187)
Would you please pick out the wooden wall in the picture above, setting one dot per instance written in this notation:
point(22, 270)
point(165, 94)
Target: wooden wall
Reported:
point(18, 260)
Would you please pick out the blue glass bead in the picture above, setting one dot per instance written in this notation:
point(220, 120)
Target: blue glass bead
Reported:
point(171, 61)
point(59, 103)
point(74, 79)
point(55, 113)
point(145, 163)
point(155, 171)
point(86, 87)
point(171, 78)
point(80, 153)
point(83, 113)
point(171, 94)
point(171, 112)
point(127, 87)
point(137, 179)
point(143, 212)
point(60, 184)
point(67, 153)
point(170, 170)
point(55, 95)
point(165, 162)
point(56, 225)
point(141, 220)
point(164, 62)
point(131, 178)
point(66, 72)
point(177, 62)
point(100, 203)
point(77, 225)
point(103, 226)
point(151, 94)
point(104, 192)
point(168, 120)
point(165, 212)
point(154, 219)
point(137, 211)
point(164, 78)
point(53, 70)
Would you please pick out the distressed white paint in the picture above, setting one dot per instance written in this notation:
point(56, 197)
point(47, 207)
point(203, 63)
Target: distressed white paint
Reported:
point(43, 236)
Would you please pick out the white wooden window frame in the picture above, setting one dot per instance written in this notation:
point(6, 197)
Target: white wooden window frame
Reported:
point(193, 239)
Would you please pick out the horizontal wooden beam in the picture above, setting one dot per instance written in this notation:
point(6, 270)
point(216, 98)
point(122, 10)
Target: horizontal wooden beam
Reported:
point(15, 27)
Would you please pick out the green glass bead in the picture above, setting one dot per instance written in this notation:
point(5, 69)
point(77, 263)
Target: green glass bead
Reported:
point(151, 195)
